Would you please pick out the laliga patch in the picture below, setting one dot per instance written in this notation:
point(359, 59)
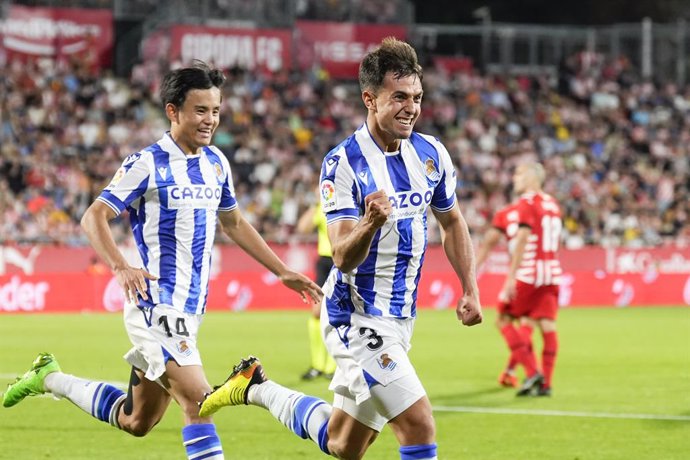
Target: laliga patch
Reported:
point(117, 177)
point(328, 202)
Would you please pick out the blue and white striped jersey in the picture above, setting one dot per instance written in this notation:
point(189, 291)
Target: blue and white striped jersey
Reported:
point(173, 199)
point(419, 175)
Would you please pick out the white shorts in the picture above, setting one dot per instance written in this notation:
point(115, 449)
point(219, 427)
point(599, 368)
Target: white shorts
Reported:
point(385, 403)
point(375, 380)
point(159, 334)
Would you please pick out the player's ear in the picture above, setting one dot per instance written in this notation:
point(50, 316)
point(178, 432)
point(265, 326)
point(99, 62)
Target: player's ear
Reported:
point(171, 112)
point(369, 99)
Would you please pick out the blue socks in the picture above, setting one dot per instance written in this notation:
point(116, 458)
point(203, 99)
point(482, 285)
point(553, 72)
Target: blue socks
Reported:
point(418, 452)
point(202, 442)
point(99, 399)
point(310, 420)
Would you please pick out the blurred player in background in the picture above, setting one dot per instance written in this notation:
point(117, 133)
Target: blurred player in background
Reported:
point(531, 286)
point(518, 339)
point(322, 364)
point(376, 187)
point(175, 191)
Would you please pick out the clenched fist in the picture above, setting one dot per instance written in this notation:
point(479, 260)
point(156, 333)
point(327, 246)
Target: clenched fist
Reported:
point(378, 208)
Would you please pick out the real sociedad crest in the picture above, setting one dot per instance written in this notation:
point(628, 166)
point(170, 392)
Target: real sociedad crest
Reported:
point(431, 171)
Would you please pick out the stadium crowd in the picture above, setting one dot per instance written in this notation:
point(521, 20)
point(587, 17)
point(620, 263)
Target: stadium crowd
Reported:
point(615, 147)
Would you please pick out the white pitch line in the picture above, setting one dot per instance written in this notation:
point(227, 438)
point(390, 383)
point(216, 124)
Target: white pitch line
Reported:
point(560, 413)
point(500, 410)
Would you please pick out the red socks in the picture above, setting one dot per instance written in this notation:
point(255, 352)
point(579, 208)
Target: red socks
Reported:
point(520, 349)
point(548, 357)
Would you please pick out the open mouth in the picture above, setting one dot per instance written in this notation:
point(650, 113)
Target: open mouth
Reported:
point(405, 121)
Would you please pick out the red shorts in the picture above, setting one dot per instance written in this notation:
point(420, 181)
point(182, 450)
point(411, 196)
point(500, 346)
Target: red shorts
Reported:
point(503, 308)
point(534, 302)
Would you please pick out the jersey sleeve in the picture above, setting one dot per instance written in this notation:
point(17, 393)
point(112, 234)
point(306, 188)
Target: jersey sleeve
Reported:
point(526, 213)
point(499, 221)
point(228, 200)
point(443, 199)
point(129, 183)
point(338, 189)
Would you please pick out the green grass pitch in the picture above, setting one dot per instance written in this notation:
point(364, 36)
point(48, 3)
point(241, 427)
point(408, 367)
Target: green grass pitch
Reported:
point(614, 366)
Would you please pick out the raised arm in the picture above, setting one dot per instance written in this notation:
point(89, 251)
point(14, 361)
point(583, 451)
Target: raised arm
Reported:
point(350, 240)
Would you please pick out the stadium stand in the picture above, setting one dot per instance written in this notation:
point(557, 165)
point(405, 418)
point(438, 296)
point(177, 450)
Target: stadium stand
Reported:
point(615, 145)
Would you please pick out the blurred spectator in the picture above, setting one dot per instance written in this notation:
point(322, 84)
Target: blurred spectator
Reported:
point(615, 148)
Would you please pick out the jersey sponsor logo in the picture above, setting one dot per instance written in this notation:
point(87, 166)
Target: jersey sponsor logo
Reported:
point(162, 171)
point(431, 171)
point(328, 200)
point(364, 176)
point(407, 204)
point(194, 196)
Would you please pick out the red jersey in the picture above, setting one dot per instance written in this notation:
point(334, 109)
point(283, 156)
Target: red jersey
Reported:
point(506, 220)
point(540, 265)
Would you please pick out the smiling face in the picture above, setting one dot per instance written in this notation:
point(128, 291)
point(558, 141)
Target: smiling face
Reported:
point(393, 109)
point(193, 124)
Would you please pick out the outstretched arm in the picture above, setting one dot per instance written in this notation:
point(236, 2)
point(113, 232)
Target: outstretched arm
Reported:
point(458, 247)
point(236, 227)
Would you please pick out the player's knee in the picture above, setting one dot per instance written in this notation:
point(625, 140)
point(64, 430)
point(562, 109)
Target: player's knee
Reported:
point(346, 450)
point(422, 429)
point(547, 325)
point(138, 427)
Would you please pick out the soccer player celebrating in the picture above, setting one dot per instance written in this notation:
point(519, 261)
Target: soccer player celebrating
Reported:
point(175, 192)
point(531, 286)
point(519, 340)
point(376, 187)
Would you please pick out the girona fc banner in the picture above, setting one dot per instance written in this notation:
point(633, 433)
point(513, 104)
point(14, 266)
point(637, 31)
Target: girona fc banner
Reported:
point(42, 278)
point(266, 49)
point(339, 47)
point(59, 33)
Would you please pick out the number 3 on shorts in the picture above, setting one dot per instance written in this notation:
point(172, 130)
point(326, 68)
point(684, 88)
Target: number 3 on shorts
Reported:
point(375, 340)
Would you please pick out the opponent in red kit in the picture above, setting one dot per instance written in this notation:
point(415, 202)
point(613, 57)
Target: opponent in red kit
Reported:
point(517, 336)
point(532, 282)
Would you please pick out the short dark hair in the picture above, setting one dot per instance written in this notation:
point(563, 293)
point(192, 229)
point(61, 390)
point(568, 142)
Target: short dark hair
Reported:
point(392, 55)
point(177, 83)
